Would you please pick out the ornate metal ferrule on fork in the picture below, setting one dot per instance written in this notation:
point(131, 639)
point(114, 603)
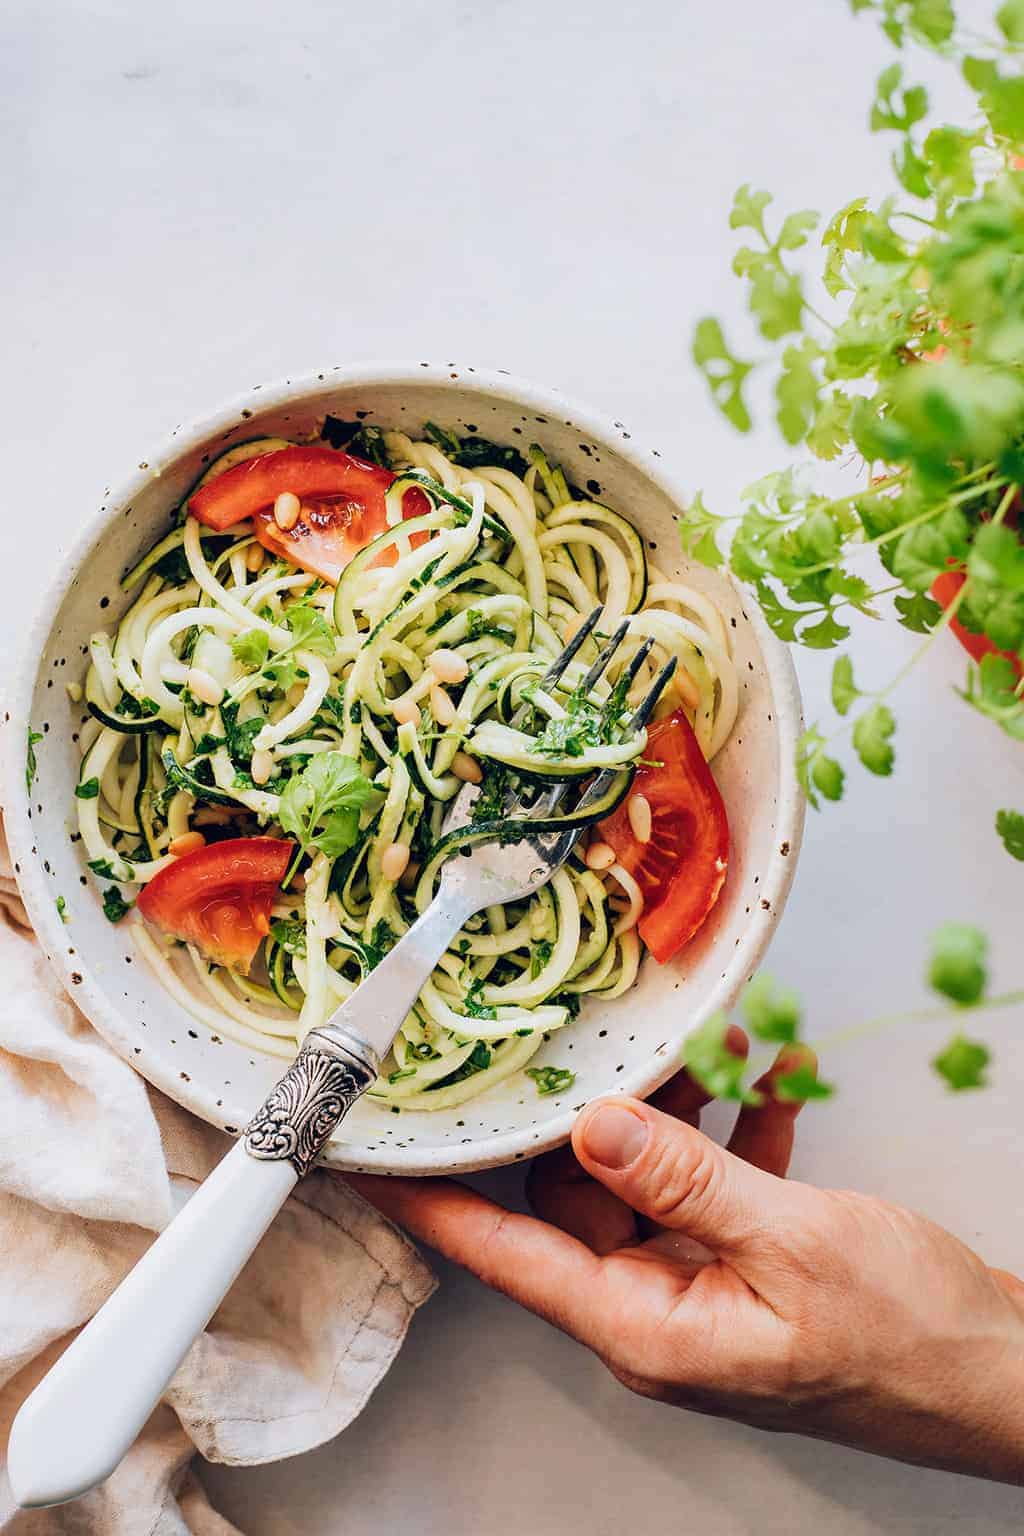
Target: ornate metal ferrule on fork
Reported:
point(332, 1070)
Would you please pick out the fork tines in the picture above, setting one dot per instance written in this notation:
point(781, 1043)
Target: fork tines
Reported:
point(645, 708)
point(564, 657)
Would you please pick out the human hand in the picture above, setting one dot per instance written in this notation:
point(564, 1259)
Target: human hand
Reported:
point(701, 1277)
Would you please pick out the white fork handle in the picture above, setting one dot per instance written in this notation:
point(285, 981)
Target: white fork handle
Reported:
point(86, 1412)
point(75, 1427)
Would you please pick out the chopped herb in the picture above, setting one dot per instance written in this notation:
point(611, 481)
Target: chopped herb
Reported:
point(478, 1060)
point(102, 867)
point(358, 438)
point(114, 904)
point(539, 957)
point(475, 1007)
point(30, 759)
point(382, 939)
point(88, 789)
point(396, 1077)
point(62, 909)
point(290, 933)
point(551, 1079)
point(207, 744)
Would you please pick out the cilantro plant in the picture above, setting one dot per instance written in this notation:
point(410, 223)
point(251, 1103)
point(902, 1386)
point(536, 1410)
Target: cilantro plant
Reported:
point(320, 806)
point(912, 366)
point(957, 972)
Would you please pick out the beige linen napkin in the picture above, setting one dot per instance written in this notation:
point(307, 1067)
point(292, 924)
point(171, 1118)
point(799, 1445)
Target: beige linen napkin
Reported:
point(92, 1165)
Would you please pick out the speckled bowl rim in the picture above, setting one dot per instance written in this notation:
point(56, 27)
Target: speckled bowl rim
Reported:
point(119, 1031)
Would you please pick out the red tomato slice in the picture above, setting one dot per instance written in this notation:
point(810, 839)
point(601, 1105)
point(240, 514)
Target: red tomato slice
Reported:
point(944, 590)
point(219, 898)
point(682, 869)
point(342, 504)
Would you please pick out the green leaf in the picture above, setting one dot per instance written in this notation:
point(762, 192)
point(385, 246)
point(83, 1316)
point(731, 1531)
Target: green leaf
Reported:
point(872, 732)
point(551, 1079)
point(997, 557)
point(925, 551)
point(88, 789)
point(893, 109)
point(911, 170)
point(932, 21)
point(772, 1012)
point(725, 374)
point(830, 431)
point(310, 630)
point(1010, 20)
point(957, 965)
point(62, 909)
point(795, 229)
point(697, 532)
point(30, 758)
point(251, 649)
point(824, 635)
point(114, 904)
point(748, 210)
point(841, 235)
point(962, 1064)
point(817, 772)
point(711, 1064)
point(1010, 826)
point(328, 794)
point(290, 933)
point(844, 690)
point(918, 613)
point(800, 1086)
point(948, 154)
point(796, 389)
point(776, 300)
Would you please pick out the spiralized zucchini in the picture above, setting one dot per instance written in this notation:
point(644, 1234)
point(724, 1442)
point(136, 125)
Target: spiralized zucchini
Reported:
point(504, 569)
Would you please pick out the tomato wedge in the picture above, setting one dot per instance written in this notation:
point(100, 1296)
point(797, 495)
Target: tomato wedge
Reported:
point(342, 504)
point(944, 590)
point(219, 897)
point(682, 869)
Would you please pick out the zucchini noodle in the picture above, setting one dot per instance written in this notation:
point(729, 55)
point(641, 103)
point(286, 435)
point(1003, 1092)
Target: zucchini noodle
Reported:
point(498, 572)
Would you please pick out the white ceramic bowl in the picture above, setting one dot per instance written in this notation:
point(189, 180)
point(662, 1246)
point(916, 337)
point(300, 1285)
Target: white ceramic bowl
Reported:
point(629, 1045)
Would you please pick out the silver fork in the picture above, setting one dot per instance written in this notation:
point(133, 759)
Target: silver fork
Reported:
point(101, 1391)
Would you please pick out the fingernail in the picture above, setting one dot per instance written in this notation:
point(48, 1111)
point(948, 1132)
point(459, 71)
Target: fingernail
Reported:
point(614, 1136)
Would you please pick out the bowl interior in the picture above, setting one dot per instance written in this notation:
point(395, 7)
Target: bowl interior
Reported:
point(629, 1044)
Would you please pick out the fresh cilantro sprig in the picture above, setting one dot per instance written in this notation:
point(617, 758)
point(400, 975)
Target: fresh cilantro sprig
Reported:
point(309, 632)
point(917, 371)
point(320, 806)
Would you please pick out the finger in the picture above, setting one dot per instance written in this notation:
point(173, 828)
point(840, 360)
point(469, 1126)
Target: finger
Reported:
point(678, 1177)
point(561, 1192)
point(683, 1097)
point(536, 1265)
point(764, 1133)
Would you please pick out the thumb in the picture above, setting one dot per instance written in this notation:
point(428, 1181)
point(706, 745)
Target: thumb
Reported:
point(678, 1177)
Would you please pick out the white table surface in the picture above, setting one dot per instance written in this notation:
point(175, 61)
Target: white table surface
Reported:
point(208, 195)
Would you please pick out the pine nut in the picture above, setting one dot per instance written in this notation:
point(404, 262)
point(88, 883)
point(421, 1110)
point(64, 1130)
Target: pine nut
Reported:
point(286, 510)
point(638, 808)
point(188, 842)
point(448, 666)
point(394, 861)
point(254, 557)
point(405, 710)
point(686, 688)
point(74, 691)
point(261, 766)
point(441, 706)
point(599, 856)
point(202, 686)
point(467, 768)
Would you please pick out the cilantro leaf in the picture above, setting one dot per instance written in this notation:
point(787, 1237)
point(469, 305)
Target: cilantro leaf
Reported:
point(872, 733)
point(796, 389)
point(725, 374)
point(748, 210)
point(844, 689)
point(697, 532)
point(962, 1064)
point(957, 967)
point(62, 909)
point(710, 1063)
point(800, 1086)
point(918, 613)
point(1010, 20)
point(310, 630)
point(1010, 826)
point(251, 649)
point(771, 1011)
point(320, 806)
point(817, 772)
